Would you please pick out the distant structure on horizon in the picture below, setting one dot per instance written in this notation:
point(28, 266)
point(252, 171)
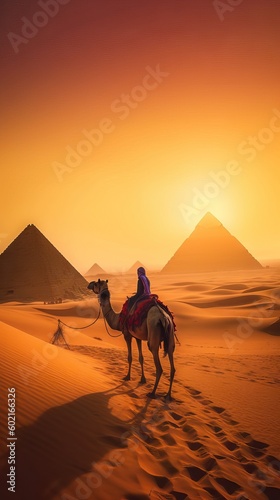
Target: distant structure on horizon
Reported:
point(133, 269)
point(210, 247)
point(32, 269)
point(95, 270)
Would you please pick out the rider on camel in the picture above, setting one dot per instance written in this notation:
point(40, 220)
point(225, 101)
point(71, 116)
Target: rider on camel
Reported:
point(143, 287)
point(143, 292)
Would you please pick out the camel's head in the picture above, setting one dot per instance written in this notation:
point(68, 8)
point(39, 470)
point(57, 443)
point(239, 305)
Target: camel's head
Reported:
point(100, 288)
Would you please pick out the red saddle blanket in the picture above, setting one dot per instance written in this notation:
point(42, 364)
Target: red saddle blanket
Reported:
point(134, 318)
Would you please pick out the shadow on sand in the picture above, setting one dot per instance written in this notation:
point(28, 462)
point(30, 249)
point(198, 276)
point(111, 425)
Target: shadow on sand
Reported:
point(61, 445)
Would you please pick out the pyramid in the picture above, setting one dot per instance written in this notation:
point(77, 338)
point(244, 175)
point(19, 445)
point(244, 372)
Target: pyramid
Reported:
point(210, 247)
point(95, 270)
point(133, 269)
point(32, 269)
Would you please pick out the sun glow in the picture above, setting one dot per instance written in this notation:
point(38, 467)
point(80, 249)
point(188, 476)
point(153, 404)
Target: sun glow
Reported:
point(172, 152)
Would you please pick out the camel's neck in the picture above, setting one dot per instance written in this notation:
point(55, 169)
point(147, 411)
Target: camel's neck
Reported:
point(110, 315)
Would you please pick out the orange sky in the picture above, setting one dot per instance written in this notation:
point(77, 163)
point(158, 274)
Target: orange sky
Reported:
point(162, 143)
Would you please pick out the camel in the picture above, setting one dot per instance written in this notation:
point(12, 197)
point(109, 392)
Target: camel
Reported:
point(156, 324)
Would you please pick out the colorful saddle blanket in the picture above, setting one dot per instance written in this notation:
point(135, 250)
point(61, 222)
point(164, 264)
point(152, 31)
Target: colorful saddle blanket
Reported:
point(134, 318)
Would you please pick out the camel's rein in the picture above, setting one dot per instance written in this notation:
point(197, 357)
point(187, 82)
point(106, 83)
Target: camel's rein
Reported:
point(87, 326)
point(80, 327)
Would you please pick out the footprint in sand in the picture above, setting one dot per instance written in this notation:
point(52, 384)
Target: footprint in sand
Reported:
point(134, 396)
point(230, 486)
point(230, 445)
point(176, 416)
point(257, 444)
point(232, 422)
point(273, 463)
point(221, 434)
point(168, 439)
point(194, 392)
point(164, 426)
point(218, 409)
point(188, 429)
point(210, 464)
point(215, 428)
point(194, 445)
point(195, 473)
point(250, 467)
point(206, 402)
point(163, 482)
point(244, 435)
point(256, 449)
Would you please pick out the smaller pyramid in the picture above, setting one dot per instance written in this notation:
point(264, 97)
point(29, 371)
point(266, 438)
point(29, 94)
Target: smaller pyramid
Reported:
point(210, 247)
point(133, 269)
point(32, 269)
point(95, 270)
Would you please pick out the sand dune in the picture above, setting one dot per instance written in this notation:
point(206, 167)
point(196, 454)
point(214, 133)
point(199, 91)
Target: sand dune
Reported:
point(236, 286)
point(84, 433)
point(232, 301)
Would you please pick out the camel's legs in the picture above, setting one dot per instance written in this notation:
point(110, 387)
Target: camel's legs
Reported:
point(141, 361)
point(128, 340)
point(172, 373)
point(158, 373)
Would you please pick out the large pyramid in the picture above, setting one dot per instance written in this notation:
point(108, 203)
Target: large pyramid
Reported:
point(210, 247)
point(32, 269)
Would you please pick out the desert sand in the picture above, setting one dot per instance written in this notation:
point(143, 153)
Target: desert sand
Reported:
point(84, 433)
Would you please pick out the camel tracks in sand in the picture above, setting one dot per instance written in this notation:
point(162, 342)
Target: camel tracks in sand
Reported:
point(191, 448)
